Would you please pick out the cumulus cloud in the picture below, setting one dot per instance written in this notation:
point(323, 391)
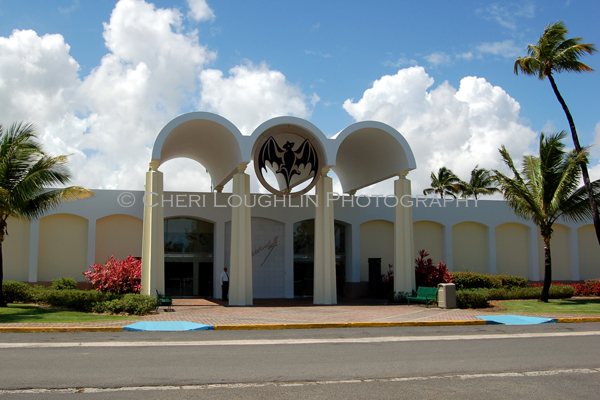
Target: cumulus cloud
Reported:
point(108, 120)
point(251, 95)
point(445, 126)
point(200, 11)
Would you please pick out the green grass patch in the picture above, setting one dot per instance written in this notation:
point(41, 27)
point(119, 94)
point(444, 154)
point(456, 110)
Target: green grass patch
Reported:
point(29, 313)
point(563, 306)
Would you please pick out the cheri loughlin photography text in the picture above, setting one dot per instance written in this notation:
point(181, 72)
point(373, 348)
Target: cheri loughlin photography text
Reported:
point(152, 199)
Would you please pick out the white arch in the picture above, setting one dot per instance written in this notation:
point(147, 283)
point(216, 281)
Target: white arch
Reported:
point(206, 138)
point(368, 152)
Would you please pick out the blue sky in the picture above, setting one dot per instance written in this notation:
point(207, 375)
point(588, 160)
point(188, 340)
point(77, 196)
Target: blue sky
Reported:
point(410, 64)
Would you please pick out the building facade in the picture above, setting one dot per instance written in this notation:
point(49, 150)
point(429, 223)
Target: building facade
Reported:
point(279, 246)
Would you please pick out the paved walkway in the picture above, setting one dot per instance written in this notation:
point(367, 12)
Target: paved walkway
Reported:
point(295, 311)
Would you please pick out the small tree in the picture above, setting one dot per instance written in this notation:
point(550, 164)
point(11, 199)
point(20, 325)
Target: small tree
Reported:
point(116, 276)
point(547, 189)
point(482, 182)
point(427, 274)
point(446, 183)
point(27, 178)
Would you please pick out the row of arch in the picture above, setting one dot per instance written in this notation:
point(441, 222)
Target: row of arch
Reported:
point(63, 246)
point(362, 154)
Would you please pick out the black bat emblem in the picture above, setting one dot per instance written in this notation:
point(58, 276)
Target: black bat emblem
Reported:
point(288, 160)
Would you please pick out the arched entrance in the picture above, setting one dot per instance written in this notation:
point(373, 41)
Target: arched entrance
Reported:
point(189, 248)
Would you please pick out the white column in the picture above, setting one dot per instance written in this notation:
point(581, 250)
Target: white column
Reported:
point(153, 239)
point(448, 251)
point(288, 263)
point(240, 285)
point(491, 250)
point(573, 255)
point(218, 258)
point(355, 252)
point(91, 253)
point(534, 255)
point(404, 271)
point(324, 281)
point(34, 240)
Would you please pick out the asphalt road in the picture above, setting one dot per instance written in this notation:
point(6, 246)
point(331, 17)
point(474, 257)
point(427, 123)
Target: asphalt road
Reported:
point(543, 361)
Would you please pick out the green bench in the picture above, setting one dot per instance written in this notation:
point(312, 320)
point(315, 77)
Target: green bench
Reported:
point(424, 295)
point(162, 300)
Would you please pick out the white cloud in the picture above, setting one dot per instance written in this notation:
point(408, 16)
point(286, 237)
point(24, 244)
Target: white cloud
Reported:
point(401, 62)
point(506, 48)
point(506, 15)
point(465, 56)
point(108, 121)
point(444, 126)
point(200, 11)
point(251, 95)
point(438, 58)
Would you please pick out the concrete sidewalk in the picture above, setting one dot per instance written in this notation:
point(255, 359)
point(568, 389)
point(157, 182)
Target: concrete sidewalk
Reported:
point(293, 314)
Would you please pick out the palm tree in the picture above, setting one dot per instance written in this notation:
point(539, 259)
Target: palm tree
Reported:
point(26, 173)
point(555, 53)
point(546, 189)
point(482, 182)
point(445, 183)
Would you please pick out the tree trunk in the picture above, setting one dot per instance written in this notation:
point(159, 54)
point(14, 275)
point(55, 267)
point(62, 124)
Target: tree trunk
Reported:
point(584, 170)
point(2, 300)
point(547, 271)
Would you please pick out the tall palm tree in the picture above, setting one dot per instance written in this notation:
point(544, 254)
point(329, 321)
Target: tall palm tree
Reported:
point(555, 53)
point(446, 183)
point(482, 182)
point(27, 175)
point(546, 189)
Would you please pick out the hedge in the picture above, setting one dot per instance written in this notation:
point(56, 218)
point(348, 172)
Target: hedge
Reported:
point(478, 298)
point(79, 300)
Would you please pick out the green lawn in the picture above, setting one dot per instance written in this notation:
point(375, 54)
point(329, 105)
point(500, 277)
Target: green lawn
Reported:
point(567, 306)
point(29, 313)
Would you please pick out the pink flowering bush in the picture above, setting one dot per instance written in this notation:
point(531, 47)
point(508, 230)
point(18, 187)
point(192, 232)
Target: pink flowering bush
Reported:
point(116, 276)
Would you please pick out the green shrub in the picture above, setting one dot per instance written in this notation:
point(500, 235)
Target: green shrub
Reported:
point(561, 292)
point(526, 293)
point(509, 281)
point(16, 292)
point(80, 300)
point(64, 284)
point(473, 298)
point(472, 280)
point(138, 304)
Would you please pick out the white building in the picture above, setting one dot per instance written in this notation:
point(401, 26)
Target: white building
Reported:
point(281, 247)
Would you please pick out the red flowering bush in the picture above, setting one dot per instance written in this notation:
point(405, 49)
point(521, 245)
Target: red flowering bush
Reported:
point(427, 274)
point(116, 276)
point(590, 287)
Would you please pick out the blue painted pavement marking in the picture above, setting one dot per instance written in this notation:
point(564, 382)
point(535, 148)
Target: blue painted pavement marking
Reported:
point(515, 320)
point(167, 326)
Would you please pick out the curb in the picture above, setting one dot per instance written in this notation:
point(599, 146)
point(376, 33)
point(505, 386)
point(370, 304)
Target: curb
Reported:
point(249, 327)
point(344, 325)
point(62, 329)
point(577, 320)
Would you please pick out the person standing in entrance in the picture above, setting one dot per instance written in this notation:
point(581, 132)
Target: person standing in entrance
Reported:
point(224, 285)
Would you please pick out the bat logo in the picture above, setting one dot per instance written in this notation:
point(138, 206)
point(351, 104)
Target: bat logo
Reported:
point(287, 160)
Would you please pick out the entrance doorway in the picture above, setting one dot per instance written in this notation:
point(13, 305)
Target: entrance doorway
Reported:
point(188, 257)
point(304, 263)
